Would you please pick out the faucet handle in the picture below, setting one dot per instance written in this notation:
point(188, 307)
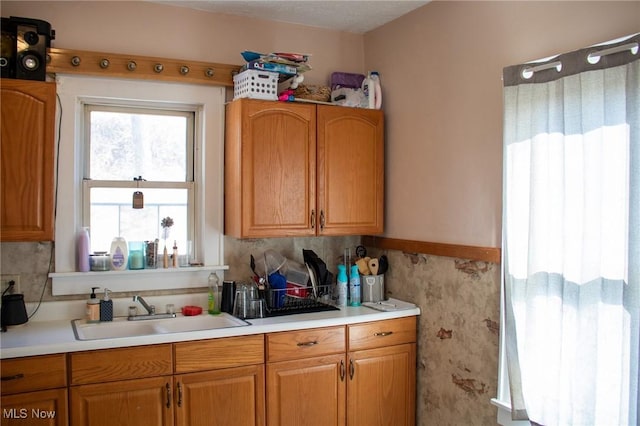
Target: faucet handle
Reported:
point(153, 309)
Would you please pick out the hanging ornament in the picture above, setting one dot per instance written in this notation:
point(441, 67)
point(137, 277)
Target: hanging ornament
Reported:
point(138, 196)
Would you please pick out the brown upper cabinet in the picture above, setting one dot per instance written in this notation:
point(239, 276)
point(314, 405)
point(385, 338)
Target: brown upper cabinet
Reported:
point(28, 111)
point(300, 169)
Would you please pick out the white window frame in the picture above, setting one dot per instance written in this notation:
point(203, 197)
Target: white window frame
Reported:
point(188, 184)
point(208, 103)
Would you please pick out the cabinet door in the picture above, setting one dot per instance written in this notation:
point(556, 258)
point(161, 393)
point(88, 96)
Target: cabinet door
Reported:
point(350, 170)
point(128, 402)
point(46, 408)
point(27, 115)
point(233, 396)
point(309, 392)
point(270, 164)
point(381, 388)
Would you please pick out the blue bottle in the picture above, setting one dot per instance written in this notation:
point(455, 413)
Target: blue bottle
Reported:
point(355, 286)
point(342, 285)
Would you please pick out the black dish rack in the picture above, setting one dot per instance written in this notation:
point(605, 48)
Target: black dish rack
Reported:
point(294, 306)
point(291, 305)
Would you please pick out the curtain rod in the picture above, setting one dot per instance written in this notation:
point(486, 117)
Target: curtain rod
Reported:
point(592, 58)
point(595, 56)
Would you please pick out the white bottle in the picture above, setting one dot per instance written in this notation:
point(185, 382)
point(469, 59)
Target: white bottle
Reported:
point(119, 255)
point(368, 89)
point(377, 92)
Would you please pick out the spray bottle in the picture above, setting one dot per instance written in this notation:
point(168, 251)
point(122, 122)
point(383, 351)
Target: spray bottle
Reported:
point(355, 286)
point(341, 283)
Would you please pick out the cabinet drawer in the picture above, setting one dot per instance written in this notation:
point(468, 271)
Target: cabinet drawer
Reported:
point(109, 365)
point(382, 333)
point(33, 373)
point(305, 343)
point(219, 353)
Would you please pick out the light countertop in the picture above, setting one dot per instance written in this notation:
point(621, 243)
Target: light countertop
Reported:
point(51, 334)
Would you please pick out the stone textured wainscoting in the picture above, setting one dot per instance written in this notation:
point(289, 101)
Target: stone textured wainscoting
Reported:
point(458, 334)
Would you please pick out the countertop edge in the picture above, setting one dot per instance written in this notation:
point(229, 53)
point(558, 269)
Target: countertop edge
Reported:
point(51, 337)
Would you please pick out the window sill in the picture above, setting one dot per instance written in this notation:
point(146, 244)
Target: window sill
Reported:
point(68, 283)
point(504, 414)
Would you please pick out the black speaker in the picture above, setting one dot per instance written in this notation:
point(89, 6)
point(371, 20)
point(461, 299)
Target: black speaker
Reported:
point(24, 48)
point(8, 49)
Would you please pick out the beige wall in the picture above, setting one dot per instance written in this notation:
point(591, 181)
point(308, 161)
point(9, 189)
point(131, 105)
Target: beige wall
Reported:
point(441, 69)
point(150, 29)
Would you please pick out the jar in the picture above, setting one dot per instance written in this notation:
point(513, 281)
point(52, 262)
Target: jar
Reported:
point(99, 261)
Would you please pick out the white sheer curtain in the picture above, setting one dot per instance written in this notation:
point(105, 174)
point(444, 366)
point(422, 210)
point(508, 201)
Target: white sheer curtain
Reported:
point(572, 237)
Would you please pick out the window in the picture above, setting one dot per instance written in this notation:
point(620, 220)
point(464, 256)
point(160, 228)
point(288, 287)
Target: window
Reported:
point(184, 181)
point(143, 154)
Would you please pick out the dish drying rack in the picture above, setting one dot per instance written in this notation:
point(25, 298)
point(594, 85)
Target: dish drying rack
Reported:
point(298, 300)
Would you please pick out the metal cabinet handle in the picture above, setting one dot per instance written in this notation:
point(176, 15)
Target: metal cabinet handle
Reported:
point(321, 219)
point(179, 395)
point(313, 219)
point(168, 395)
point(14, 377)
point(352, 369)
point(342, 370)
point(311, 343)
point(383, 333)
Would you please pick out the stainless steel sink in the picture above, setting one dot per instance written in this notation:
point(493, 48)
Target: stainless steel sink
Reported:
point(121, 327)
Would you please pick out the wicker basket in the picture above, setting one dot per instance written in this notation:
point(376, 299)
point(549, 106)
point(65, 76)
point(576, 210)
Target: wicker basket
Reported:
point(314, 93)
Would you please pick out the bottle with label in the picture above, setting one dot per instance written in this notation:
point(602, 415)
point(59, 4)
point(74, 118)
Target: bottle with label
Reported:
point(106, 307)
point(214, 297)
point(342, 286)
point(82, 250)
point(355, 286)
point(93, 307)
point(119, 254)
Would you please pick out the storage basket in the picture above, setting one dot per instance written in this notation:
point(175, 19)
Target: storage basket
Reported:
point(256, 84)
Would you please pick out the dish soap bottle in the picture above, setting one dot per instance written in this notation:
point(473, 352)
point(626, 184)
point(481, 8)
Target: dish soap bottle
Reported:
point(93, 307)
point(355, 286)
point(214, 300)
point(342, 286)
point(106, 307)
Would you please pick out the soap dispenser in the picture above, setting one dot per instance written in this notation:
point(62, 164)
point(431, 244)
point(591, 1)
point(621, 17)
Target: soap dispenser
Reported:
point(93, 307)
point(106, 307)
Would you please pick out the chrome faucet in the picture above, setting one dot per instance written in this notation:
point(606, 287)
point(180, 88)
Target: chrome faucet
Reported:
point(151, 311)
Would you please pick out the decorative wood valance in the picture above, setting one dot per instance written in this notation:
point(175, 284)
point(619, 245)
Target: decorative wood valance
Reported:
point(140, 67)
point(486, 254)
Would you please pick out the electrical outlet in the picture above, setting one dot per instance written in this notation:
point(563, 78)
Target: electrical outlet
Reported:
point(6, 278)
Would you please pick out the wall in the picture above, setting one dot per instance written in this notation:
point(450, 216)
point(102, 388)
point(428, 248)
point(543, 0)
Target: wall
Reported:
point(148, 29)
point(441, 69)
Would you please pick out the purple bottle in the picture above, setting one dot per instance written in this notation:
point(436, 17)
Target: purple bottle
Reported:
point(82, 250)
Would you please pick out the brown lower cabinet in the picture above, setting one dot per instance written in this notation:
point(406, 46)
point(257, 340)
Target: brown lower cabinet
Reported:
point(360, 374)
point(208, 382)
point(34, 391)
